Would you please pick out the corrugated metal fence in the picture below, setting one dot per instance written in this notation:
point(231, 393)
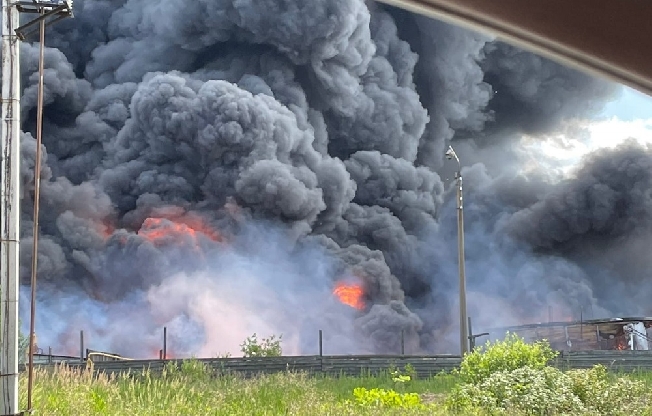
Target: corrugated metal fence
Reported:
point(613, 360)
point(327, 365)
point(425, 366)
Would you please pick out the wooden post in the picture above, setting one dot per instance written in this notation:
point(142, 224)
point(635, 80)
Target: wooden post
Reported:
point(160, 354)
point(50, 355)
point(165, 343)
point(81, 346)
point(321, 344)
point(471, 337)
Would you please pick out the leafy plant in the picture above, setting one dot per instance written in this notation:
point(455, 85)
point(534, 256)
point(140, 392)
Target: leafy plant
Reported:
point(604, 396)
point(525, 390)
point(513, 377)
point(23, 348)
point(398, 377)
point(267, 347)
point(410, 371)
point(385, 398)
point(549, 391)
point(507, 355)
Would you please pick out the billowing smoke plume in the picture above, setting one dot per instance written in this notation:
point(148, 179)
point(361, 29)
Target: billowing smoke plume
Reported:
point(216, 167)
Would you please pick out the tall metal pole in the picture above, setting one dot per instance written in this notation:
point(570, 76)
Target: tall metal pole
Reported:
point(37, 204)
point(10, 205)
point(460, 253)
point(464, 335)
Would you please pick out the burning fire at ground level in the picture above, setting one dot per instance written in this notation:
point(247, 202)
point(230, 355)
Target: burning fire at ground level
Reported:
point(160, 231)
point(195, 238)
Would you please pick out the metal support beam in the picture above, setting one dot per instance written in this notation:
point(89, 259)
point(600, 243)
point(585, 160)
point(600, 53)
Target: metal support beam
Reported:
point(50, 13)
point(10, 206)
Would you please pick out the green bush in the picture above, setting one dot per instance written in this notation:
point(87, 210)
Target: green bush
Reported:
point(525, 390)
point(549, 391)
point(386, 398)
point(604, 396)
point(509, 354)
point(267, 347)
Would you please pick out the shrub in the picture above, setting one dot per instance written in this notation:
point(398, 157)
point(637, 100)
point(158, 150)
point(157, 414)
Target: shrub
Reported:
point(509, 354)
point(604, 396)
point(402, 377)
point(547, 390)
point(267, 347)
point(525, 390)
point(385, 398)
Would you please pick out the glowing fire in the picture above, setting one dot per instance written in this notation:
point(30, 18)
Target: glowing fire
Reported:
point(350, 294)
point(157, 229)
point(158, 354)
point(621, 344)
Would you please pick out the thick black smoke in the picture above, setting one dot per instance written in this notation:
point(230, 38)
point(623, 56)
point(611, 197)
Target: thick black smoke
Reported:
point(310, 137)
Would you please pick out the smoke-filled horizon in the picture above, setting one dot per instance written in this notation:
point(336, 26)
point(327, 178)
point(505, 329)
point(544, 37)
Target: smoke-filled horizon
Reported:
point(218, 167)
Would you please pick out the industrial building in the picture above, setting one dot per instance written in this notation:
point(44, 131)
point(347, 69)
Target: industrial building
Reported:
point(586, 335)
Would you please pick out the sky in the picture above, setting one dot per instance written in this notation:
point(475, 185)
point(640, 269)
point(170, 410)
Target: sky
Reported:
point(628, 116)
point(631, 105)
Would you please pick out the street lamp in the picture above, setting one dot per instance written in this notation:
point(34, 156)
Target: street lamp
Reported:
point(464, 341)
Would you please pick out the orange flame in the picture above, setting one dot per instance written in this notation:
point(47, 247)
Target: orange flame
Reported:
point(157, 229)
point(158, 353)
point(621, 344)
point(350, 294)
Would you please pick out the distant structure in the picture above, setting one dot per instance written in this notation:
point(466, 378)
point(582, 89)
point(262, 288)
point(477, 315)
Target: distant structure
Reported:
point(590, 335)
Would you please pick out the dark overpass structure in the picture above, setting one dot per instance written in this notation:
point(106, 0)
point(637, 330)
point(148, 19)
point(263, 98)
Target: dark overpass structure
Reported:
point(609, 38)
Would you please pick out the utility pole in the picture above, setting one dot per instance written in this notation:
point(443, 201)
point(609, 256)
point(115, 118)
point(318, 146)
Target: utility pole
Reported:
point(464, 336)
point(10, 205)
point(10, 188)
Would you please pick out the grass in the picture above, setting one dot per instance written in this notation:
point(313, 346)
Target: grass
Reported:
point(191, 390)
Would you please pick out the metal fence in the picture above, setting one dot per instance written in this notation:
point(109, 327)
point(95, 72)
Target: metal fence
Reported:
point(424, 366)
point(614, 360)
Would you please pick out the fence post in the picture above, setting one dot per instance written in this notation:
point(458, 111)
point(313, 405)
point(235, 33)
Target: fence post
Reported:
point(402, 342)
point(81, 346)
point(321, 344)
point(50, 355)
point(471, 337)
point(321, 351)
point(165, 343)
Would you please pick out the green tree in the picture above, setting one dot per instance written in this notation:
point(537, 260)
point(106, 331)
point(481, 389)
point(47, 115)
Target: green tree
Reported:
point(267, 347)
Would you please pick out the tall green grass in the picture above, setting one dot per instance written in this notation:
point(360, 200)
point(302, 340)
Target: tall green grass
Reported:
point(193, 390)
